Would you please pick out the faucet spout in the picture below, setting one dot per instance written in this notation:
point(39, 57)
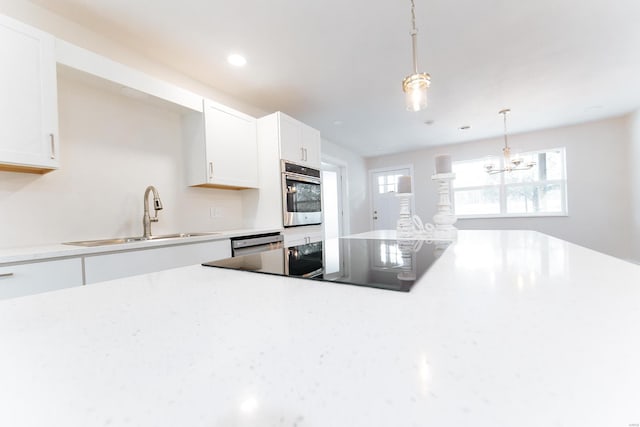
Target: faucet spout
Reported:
point(157, 205)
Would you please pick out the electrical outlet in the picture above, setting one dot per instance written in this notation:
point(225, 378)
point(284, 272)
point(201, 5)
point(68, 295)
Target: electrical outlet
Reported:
point(215, 212)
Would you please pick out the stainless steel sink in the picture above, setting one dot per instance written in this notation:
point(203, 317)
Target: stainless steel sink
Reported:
point(120, 240)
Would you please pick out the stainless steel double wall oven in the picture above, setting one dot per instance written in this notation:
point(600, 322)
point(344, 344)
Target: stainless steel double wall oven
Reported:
point(301, 195)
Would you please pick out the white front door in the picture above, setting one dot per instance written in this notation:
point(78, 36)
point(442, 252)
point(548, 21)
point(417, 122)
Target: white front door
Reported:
point(384, 203)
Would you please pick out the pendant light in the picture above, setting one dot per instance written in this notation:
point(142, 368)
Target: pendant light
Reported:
point(415, 86)
point(509, 163)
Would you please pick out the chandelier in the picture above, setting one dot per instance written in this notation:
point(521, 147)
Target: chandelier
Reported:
point(415, 86)
point(515, 164)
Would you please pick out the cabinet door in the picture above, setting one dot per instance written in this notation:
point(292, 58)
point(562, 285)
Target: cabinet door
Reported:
point(291, 139)
point(99, 268)
point(311, 146)
point(232, 148)
point(28, 105)
point(26, 279)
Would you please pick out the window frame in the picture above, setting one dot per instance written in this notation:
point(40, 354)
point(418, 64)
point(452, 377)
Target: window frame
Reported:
point(503, 187)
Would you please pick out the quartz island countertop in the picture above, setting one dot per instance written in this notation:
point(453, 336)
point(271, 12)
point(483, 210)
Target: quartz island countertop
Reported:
point(507, 328)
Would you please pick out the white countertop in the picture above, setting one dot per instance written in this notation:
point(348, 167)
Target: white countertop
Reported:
point(507, 328)
point(39, 253)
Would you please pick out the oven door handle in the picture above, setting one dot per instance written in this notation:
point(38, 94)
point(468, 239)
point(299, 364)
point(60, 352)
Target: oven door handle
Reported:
point(314, 273)
point(303, 178)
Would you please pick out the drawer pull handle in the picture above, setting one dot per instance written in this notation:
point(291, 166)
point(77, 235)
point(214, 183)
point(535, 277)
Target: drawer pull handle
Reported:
point(3, 275)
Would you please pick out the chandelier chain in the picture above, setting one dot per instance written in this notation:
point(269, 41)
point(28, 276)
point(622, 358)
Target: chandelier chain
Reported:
point(504, 117)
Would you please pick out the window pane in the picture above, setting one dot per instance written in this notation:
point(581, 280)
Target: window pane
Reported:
point(534, 199)
point(476, 202)
point(472, 173)
point(554, 161)
point(548, 166)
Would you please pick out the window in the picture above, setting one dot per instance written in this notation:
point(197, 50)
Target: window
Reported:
point(388, 183)
point(539, 191)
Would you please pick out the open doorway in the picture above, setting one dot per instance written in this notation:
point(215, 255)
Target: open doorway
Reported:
point(333, 192)
point(332, 203)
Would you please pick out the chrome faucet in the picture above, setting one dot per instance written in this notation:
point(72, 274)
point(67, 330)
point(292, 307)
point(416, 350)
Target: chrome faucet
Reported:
point(157, 205)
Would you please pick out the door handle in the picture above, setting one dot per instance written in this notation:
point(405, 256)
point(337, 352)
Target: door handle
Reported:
point(53, 145)
point(5, 275)
point(210, 170)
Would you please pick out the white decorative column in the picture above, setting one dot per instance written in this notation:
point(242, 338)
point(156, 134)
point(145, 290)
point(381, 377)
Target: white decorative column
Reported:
point(444, 218)
point(404, 227)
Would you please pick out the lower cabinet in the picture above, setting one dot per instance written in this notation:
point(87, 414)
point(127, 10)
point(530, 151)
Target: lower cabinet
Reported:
point(99, 268)
point(36, 277)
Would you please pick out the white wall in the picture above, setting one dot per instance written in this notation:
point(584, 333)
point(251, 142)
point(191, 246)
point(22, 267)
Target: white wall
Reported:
point(634, 161)
point(599, 190)
point(357, 195)
point(112, 148)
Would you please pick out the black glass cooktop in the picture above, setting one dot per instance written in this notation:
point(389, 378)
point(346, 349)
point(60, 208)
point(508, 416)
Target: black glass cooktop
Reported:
point(385, 264)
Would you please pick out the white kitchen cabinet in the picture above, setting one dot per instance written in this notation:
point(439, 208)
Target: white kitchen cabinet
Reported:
point(222, 148)
point(28, 105)
point(302, 235)
point(33, 278)
point(99, 268)
point(299, 142)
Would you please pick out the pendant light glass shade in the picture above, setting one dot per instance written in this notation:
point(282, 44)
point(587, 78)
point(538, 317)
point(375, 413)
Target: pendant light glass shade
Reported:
point(415, 88)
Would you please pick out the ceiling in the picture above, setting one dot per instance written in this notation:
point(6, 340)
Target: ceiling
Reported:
point(338, 65)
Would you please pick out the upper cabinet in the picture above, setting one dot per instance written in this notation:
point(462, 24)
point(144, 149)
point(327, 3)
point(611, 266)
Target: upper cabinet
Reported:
point(222, 148)
point(28, 105)
point(299, 143)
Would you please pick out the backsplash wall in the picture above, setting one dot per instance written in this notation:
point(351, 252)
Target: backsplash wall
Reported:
point(112, 148)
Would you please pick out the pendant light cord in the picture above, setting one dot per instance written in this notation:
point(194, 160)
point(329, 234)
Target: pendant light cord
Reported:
point(414, 37)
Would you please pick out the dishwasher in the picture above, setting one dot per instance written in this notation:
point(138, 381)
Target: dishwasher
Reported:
point(247, 245)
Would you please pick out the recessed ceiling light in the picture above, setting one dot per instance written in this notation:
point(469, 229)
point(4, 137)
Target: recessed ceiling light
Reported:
point(465, 127)
point(237, 60)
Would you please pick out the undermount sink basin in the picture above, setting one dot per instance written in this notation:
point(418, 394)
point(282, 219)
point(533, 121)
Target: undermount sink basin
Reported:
point(120, 240)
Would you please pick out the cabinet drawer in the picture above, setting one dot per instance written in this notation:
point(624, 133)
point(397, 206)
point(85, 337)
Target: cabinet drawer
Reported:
point(295, 239)
point(99, 268)
point(33, 278)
